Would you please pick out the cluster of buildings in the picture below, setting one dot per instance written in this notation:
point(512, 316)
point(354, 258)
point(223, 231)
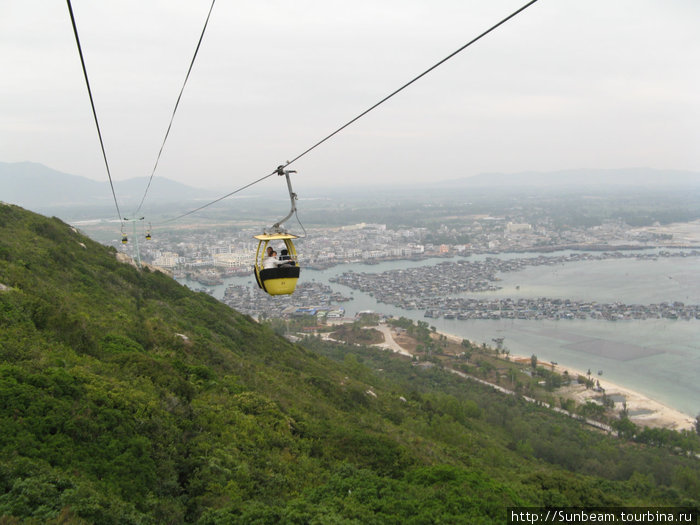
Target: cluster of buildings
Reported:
point(233, 259)
point(209, 256)
point(229, 252)
point(235, 251)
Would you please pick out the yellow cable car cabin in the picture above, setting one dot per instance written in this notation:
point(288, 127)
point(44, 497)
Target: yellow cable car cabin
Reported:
point(276, 275)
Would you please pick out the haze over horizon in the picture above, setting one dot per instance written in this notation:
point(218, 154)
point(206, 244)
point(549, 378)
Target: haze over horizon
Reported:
point(41, 188)
point(561, 86)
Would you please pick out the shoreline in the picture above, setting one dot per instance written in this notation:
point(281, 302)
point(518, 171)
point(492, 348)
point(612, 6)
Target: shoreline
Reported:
point(643, 410)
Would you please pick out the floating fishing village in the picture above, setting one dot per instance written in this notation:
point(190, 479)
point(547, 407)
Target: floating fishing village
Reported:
point(435, 289)
point(439, 290)
point(316, 298)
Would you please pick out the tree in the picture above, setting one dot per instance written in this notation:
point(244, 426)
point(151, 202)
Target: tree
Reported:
point(608, 402)
point(512, 374)
point(566, 378)
point(583, 380)
point(625, 428)
point(533, 361)
point(567, 404)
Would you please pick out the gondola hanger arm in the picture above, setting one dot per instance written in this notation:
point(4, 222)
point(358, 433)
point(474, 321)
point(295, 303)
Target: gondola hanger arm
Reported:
point(277, 227)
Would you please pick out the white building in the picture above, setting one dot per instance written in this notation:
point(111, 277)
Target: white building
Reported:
point(515, 227)
point(167, 260)
point(233, 260)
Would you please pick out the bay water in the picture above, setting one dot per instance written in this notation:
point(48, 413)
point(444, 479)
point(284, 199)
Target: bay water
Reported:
point(657, 357)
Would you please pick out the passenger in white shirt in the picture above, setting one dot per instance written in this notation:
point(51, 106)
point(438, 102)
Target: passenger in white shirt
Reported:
point(270, 260)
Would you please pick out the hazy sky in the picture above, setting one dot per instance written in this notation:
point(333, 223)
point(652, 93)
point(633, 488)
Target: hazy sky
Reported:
point(566, 84)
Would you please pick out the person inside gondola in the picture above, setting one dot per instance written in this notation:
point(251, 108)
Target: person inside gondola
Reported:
point(285, 259)
point(270, 260)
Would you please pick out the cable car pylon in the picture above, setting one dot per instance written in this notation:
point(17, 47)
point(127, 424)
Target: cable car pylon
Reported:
point(134, 220)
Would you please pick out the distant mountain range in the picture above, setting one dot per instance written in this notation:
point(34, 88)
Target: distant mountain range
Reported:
point(36, 186)
point(581, 178)
point(44, 189)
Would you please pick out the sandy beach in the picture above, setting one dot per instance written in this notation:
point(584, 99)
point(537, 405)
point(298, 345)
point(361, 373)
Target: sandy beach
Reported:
point(642, 410)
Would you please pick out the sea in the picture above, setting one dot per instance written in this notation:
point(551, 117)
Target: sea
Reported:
point(659, 358)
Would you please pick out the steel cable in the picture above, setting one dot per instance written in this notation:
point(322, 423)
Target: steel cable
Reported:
point(317, 144)
point(94, 112)
point(177, 103)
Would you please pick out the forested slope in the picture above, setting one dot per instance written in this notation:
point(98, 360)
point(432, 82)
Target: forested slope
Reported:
point(127, 398)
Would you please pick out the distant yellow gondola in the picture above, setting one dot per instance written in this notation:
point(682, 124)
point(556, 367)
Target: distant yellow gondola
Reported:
point(124, 239)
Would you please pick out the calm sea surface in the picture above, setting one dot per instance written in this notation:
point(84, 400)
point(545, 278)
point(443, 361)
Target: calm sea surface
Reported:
point(660, 358)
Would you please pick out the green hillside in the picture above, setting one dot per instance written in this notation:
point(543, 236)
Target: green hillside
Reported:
point(127, 398)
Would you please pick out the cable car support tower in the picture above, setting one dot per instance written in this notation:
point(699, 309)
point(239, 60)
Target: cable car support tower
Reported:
point(134, 220)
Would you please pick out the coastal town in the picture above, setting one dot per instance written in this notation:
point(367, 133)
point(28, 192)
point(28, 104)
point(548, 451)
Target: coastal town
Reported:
point(229, 251)
point(439, 290)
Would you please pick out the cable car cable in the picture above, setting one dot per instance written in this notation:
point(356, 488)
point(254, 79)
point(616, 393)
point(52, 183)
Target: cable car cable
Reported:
point(177, 103)
point(94, 112)
point(451, 55)
point(412, 81)
point(221, 198)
